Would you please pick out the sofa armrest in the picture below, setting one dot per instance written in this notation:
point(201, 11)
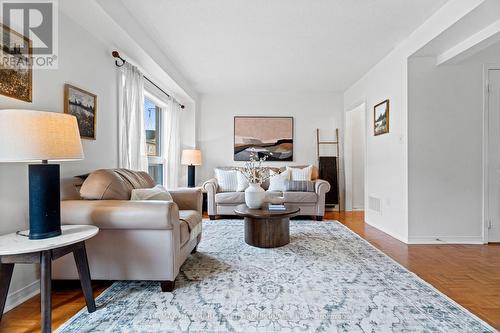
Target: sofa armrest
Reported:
point(321, 186)
point(121, 214)
point(188, 199)
point(211, 186)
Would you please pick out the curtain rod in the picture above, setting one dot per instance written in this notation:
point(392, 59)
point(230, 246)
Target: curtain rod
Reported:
point(115, 54)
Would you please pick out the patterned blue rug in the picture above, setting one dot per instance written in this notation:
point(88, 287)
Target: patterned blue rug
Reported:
point(326, 280)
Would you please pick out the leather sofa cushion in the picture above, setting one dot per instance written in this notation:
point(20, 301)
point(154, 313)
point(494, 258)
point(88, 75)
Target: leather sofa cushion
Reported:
point(230, 198)
point(300, 197)
point(191, 217)
point(114, 184)
point(191, 221)
point(185, 234)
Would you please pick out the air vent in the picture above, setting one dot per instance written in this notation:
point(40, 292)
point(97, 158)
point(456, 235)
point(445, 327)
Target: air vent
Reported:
point(374, 204)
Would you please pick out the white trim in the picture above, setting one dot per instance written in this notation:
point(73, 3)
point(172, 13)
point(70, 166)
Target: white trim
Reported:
point(400, 238)
point(162, 103)
point(471, 45)
point(348, 156)
point(446, 240)
point(485, 198)
point(22, 295)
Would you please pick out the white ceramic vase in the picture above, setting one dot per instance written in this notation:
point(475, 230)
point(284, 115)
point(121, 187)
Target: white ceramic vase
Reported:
point(254, 196)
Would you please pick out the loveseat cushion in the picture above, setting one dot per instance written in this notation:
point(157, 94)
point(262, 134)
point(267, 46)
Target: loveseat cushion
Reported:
point(300, 197)
point(230, 198)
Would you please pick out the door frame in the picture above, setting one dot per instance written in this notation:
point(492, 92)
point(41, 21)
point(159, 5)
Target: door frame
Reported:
point(348, 159)
point(486, 109)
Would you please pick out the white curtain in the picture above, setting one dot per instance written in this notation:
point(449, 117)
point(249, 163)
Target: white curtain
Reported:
point(172, 144)
point(131, 135)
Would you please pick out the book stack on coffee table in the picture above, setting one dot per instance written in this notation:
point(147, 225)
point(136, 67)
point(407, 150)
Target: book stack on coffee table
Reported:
point(276, 207)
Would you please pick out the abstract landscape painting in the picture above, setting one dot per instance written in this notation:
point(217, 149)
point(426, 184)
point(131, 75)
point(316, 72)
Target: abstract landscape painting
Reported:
point(266, 136)
point(82, 105)
point(15, 67)
point(381, 118)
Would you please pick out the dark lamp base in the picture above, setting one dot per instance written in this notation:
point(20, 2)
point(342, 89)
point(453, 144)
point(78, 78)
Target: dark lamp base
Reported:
point(191, 176)
point(44, 201)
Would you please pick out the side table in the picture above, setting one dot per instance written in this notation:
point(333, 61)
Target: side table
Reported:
point(18, 249)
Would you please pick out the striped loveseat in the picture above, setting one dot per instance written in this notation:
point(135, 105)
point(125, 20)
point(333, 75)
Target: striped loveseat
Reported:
point(311, 202)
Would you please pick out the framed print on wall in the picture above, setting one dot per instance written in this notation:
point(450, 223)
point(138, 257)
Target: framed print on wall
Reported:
point(16, 78)
point(381, 118)
point(83, 105)
point(267, 136)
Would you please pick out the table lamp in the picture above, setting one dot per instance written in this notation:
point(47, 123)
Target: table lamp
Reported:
point(191, 157)
point(28, 136)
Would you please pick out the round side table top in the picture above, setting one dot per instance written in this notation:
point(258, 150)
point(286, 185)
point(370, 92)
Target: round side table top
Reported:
point(263, 213)
point(12, 244)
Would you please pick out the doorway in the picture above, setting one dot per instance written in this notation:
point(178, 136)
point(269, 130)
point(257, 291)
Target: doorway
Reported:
point(493, 156)
point(355, 140)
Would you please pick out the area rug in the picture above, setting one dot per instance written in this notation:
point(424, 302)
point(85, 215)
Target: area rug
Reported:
point(327, 279)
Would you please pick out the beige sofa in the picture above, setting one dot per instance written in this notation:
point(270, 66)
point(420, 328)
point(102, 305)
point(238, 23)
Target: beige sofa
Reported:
point(310, 203)
point(138, 240)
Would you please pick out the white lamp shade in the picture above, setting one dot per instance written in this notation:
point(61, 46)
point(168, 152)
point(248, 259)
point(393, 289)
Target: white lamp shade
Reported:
point(191, 157)
point(27, 135)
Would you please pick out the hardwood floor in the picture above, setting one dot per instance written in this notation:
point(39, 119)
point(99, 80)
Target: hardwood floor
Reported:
point(469, 274)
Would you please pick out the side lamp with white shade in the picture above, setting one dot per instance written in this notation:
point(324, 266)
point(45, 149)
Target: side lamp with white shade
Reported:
point(30, 136)
point(191, 158)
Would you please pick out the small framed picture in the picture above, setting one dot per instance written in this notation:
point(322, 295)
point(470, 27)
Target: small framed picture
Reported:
point(83, 105)
point(381, 118)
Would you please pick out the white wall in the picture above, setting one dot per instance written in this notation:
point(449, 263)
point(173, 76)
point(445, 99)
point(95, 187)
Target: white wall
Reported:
point(445, 148)
point(84, 63)
point(386, 155)
point(355, 138)
point(309, 110)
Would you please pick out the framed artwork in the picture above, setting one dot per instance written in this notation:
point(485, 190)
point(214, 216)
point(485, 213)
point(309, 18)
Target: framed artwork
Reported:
point(267, 136)
point(381, 118)
point(16, 78)
point(82, 105)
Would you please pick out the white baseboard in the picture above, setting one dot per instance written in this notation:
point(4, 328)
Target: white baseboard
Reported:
point(22, 295)
point(446, 240)
point(390, 233)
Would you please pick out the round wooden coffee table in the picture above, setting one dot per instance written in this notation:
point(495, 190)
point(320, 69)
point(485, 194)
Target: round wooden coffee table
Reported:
point(265, 228)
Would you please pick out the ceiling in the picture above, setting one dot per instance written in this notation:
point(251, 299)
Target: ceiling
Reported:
point(223, 46)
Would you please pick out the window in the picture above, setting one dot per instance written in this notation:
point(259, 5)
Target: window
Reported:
point(152, 125)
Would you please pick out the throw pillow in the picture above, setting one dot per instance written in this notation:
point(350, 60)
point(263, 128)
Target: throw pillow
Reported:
point(277, 181)
point(300, 173)
point(242, 182)
point(156, 193)
point(227, 180)
point(299, 186)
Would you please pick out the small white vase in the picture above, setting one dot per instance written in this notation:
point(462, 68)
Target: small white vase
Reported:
point(254, 196)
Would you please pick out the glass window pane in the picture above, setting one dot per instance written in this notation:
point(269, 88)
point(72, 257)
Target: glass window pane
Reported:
point(152, 125)
point(156, 172)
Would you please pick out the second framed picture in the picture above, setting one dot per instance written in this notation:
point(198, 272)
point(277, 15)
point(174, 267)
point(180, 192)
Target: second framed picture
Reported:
point(83, 105)
point(381, 118)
